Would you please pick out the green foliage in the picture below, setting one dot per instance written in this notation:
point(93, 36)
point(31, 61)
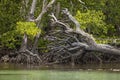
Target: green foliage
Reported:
point(95, 4)
point(108, 41)
point(9, 14)
point(92, 21)
point(42, 44)
point(29, 28)
point(10, 39)
point(112, 11)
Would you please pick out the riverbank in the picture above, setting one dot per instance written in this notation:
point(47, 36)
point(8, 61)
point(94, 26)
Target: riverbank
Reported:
point(13, 56)
point(89, 67)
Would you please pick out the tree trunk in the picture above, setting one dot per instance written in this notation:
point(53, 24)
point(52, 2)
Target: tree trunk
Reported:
point(35, 45)
point(24, 43)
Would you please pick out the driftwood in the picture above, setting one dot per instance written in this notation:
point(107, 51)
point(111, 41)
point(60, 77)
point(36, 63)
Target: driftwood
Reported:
point(83, 42)
point(89, 42)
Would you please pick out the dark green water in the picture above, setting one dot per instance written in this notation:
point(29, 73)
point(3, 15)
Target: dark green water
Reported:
point(12, 72)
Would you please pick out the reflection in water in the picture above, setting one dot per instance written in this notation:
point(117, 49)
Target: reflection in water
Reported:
point(17, 72)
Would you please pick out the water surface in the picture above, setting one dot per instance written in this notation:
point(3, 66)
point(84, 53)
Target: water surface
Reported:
point(57, 73)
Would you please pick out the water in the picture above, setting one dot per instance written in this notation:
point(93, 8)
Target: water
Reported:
point(18, 72)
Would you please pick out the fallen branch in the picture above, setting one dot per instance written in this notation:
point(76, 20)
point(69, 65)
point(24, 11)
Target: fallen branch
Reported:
point(89, 42)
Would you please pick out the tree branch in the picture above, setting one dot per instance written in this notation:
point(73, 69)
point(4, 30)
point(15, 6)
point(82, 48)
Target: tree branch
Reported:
point(56, 21)
point(88, 38)
point(32, 10)
point(44, 9)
